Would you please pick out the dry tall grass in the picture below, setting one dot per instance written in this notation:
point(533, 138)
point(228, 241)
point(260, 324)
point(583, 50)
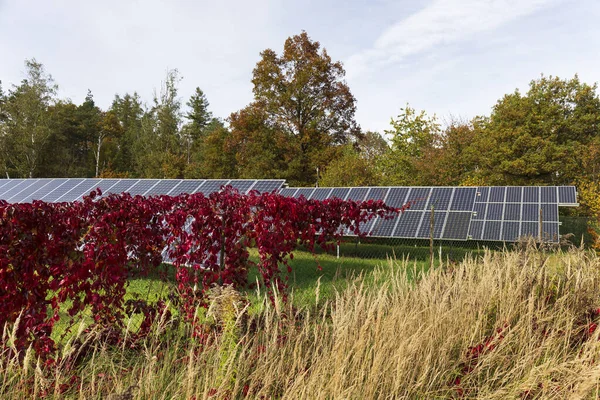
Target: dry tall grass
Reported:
point(511, 325)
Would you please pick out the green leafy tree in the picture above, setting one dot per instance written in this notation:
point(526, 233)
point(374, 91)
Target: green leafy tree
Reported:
point(129, 112)
point(350, 169)
point(411, 137)
point(542, 137)
point(217, 158)
point(262, 151)
point(198, 117)
point(67, 143)
point(158, 151)
point(27, 124)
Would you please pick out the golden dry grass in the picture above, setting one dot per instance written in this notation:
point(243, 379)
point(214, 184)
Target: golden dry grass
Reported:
point(527, 312)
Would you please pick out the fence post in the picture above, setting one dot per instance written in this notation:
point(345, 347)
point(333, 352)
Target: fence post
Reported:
point(541, 231)
point(431, 239)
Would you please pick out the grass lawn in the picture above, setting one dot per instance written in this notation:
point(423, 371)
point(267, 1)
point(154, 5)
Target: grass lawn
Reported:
point(335, 273)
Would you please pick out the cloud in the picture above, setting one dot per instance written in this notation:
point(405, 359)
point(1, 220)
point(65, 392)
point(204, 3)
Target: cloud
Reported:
point(441, 22)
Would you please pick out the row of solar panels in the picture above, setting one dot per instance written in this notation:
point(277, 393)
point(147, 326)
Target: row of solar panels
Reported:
point(73, 189)
point(498, 213)
point(460, 213)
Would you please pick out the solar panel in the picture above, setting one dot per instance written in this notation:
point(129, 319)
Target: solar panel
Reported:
point(407, 224)
point(45, 189)
point(122, 186)
point(397, 197)
point(9, 185)
point(510, 231)
point(482, 213)
point(491, 230)
point(418, 197)
point(187, 186)
point(104, 185)
point(374, 193)
point(268, 186)
point(340, 193)
point(54, 195)
point(479, 210)
point(550, 231)
point(21, 191)
point(306, 192)
point(384, 227)
point(550, 212)
point(457, 225)
point(83, 189)
point(497, 194)
point(476, 230)
point(242, 185)
point(438, 224)
point(531, 212)
point(567, 195)
point(463, 199)
point(321, 193)
point(494, 211)
point(531, 194)
point(482, 194)
point(4, 182)
point(514, 194)
point(357, 193)
point(548, 194)
point(530, 229)
point(142, 186)
point(440, 198)
point(512, 212)
point(23, 184)
point(211, 186)
point(26, 195)
point(288, 192)
point(163, 187)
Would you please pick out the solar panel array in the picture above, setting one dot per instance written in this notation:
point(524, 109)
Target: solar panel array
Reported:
point(73, 189)
point(500, 213)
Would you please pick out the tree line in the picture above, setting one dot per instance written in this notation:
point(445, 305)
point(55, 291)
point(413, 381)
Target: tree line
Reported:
point(301, 127)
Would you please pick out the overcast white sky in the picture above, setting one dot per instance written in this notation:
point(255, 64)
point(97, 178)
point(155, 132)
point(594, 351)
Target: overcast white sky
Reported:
point(448, 57)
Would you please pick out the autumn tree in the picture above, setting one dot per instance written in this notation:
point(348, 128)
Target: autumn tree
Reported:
point(303, 96)
point(262, 150)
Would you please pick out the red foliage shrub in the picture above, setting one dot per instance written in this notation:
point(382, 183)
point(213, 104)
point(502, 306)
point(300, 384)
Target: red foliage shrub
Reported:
point(82, 253)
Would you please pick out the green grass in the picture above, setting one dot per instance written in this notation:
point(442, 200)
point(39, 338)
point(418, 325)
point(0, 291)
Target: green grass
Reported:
point(335, 274)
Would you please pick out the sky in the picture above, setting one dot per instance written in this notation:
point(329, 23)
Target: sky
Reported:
point(451, 58)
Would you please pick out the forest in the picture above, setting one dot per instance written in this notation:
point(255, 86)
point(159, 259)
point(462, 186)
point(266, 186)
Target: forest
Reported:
point(301, 127)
